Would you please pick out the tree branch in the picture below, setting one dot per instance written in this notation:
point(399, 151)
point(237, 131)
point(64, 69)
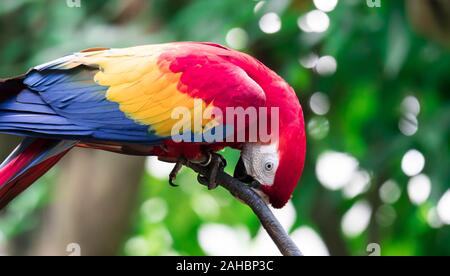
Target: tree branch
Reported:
point(243, 192)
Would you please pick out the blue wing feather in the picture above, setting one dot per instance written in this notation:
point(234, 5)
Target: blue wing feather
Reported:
point(68, 103)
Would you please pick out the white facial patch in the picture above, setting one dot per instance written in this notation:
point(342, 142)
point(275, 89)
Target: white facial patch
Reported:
point(261, 161)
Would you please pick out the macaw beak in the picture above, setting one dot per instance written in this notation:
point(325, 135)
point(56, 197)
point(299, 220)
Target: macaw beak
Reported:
point(240, 173)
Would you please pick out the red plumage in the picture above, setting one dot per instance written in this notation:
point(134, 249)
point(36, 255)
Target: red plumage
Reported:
point(121, 100)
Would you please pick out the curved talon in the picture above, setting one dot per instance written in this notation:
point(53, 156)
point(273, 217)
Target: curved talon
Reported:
point(208, 161)
point(176, 169)
point(202, 180)
point(172, 184)
point(215, 164)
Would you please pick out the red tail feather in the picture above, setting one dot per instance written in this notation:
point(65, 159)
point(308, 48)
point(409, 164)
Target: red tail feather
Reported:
point(27, 164)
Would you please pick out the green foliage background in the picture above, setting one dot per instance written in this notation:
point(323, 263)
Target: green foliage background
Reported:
point(381, 60)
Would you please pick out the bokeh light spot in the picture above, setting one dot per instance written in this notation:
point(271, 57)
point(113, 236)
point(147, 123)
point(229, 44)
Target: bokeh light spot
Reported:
point(199, 202)
point(408, 124)
point(419, 189)
point(335, 169)
point(154, 210)
point(443, 208)
point(318, 127)
point(413, 162)
point(411, 105)
point(237, 38)
point(136, 246)
point(433, 219)
point(326, 66)
point(359, 184)
point(222, 240)
point(356, 220)
point(303, 24)
point(319, 103)
point(270, 23)
point(385, 215)
point(309, 242)
point(315, 21)
point(309, 61)
point(259, 6)
point(390, 192)
point(325, 5)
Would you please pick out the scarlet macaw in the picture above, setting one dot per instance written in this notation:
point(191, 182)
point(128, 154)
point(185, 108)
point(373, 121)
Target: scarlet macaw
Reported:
point(121, 100)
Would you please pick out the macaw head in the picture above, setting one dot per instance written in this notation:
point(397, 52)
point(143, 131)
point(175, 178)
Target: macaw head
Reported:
point(275, 168)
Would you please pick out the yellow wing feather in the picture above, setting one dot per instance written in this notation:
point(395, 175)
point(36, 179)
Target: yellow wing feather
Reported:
point(144, 88)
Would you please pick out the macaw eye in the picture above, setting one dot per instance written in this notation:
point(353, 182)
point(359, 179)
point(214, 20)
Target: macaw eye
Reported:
point(268, 166)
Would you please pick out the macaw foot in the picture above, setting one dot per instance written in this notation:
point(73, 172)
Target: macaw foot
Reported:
point(176, 169)
point(215, 164)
